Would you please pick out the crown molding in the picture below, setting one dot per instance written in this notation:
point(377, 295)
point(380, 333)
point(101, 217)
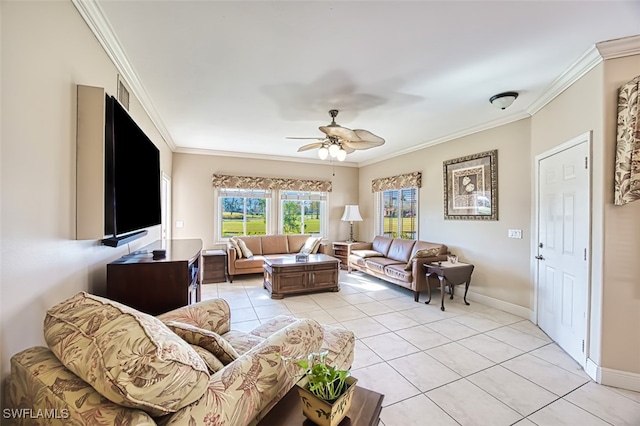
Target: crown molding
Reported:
point(95, 19)
point(456, 135)
point(246, 155)
point(577, 70)
point(619, 48)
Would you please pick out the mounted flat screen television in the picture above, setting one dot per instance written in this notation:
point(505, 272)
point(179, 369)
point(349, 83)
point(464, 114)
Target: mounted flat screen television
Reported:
point(132, 177)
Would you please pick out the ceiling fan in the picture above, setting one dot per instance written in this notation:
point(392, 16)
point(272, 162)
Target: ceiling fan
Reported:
point(340, 141)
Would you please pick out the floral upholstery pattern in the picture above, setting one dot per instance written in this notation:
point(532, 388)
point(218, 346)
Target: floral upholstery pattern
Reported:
point(238, 394)
point(129, 357)
point(252, 383)
point(209, 340)
point(38, 379)
point(627, 173)
point(212, 314)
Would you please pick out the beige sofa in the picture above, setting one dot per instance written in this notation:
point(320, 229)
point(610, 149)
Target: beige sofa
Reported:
point(108, 364)
point(264, 246)
point(396, 260)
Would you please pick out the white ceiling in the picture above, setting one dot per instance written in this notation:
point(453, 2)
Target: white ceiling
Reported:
point(237, 77)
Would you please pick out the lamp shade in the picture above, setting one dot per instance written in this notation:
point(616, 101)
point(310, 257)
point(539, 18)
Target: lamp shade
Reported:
point(351, 213)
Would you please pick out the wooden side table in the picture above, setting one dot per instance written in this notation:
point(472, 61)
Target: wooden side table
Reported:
point(215, 266)
point(365, 410)
point(451, 273)
point(342, 250)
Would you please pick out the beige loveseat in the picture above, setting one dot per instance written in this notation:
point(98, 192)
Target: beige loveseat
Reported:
point(264, 246)
point(397, 260)
point(108, 364)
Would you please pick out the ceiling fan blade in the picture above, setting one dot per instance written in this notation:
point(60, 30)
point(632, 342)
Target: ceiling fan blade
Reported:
point(348, 149)
point(340, 132)
point(367, 136)
point(310, 146)
point(361, 144)
point(316, 138)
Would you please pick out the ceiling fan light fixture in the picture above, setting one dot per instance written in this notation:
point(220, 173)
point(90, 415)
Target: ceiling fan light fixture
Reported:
point(503, 100)
point(341, 155)
point(333, 150)
point(323, 152)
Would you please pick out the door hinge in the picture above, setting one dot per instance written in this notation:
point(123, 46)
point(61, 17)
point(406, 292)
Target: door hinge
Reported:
point(582, 345)
point(586, 162)
point(585, 254)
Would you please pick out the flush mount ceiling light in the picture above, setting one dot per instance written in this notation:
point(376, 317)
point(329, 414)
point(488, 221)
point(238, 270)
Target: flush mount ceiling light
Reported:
point(503, 100)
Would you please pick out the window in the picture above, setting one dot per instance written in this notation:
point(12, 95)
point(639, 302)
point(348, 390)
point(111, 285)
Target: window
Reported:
point(243, 212)
point(302, 212)
point(398, 213)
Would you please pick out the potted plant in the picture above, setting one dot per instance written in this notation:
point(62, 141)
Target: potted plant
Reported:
point(325, 391)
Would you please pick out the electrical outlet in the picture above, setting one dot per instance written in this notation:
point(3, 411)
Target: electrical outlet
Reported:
point(515, 233)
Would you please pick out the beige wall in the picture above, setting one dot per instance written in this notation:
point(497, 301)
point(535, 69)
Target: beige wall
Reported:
point(47, 50)
point(501, 264)
point(193, 195)
point(621, 269)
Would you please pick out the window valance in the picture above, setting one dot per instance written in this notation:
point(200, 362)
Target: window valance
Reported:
point(409, 180)
point(249, 182)
point(627, 173)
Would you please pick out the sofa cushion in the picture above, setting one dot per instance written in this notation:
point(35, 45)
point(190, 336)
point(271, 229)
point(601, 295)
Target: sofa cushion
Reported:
point(296, 242)
point(129, 357)
point(207, 339)
point(253, 243)
point(246, 252)
point(421, 245)
point(381, 244)
point(366, 253)
point(242, 342)
point(430, 252)
point(253, 262)
point(275, 244)
point(400, 249)
point(233, 242)
point(311, 245)
point(213, 363)
point(398, 272)
point(379, 263)
point(354, 259)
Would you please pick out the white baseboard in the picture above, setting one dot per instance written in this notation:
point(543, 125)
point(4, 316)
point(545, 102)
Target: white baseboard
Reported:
point(610, 377)
point(511, 308)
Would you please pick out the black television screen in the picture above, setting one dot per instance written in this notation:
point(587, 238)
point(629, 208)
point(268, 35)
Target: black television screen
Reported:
point(132, 168)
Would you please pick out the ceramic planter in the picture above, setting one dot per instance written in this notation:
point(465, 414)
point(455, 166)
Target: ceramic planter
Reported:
point(320, 411)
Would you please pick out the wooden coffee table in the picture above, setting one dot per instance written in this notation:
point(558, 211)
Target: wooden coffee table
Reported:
point(365, 410)
point(283, 275)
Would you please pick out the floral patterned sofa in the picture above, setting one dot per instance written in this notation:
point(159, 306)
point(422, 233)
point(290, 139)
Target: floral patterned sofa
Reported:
point(108, 364)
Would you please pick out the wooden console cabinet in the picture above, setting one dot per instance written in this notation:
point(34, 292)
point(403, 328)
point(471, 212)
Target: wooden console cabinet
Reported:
point(153, 285)
point(215, 266)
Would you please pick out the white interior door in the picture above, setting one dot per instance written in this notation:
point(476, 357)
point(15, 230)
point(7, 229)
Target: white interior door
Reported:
point(563, 247)
point(166, 207)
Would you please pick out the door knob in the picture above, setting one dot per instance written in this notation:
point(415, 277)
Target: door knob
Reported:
point(539, 257)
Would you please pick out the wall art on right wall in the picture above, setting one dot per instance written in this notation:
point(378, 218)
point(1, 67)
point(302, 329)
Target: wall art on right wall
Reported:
point(471, 187)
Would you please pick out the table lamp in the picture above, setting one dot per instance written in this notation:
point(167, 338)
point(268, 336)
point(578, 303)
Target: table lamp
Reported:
point(351, 214)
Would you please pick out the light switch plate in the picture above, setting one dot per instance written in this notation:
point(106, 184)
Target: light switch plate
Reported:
point(515, 233)
point(179, 224)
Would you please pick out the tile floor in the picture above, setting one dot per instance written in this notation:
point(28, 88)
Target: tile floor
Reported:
point(469, 365)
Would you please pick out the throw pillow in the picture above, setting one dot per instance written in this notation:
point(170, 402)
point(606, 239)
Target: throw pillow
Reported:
point(129, 357)
point(210, 359)
point(245, 250)
point(234, 244)
point(311, 245)
point(206, 339)
point(422, 253)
